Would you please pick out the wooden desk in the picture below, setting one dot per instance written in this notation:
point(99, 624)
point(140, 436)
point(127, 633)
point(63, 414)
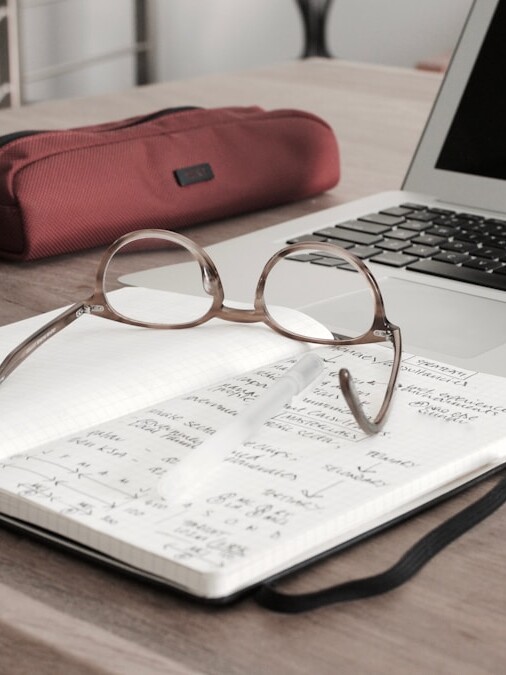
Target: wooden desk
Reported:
point(59, 614)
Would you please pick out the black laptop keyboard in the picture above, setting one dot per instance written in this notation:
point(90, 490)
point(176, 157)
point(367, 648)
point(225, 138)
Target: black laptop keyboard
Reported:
point(460, 246)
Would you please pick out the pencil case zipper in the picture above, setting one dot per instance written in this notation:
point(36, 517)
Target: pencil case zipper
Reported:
point(16, 135)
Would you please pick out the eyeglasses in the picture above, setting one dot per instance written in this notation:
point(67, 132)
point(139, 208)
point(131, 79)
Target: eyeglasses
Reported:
point(108, 305)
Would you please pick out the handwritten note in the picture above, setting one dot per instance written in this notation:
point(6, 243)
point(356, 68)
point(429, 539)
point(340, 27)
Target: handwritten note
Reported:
point(308, 478)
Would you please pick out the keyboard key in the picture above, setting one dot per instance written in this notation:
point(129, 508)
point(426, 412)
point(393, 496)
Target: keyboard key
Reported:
point(364, 252)
point(383, 219)
point(457, 246)
point(305, 237)
point(303, 257)
point(470, 216)
point(494, 227)
point(491, 240)
point(396, 211)
point(363, 226)
point(447, 271)
point(424, 216)
point(457, 222)
point(484, 264)
point(500, 270)
point(440, 230)
point(415, 225)
point(496, 221)
point(399, 233)
point(443, 212)
point(444, 220)
point(428, 240)
point(393, 259)
point(490, 252)
point(393, 244)
point(467, 235)
point(328, 261)
point(500, 242)
point(473, 227)
point(349, 235)
point(450, 257)
point(341, 243)
point(421, 251)
point(414, 207)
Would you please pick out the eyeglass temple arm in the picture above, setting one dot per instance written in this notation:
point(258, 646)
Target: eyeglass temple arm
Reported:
point(32, 342)
point(351, 396)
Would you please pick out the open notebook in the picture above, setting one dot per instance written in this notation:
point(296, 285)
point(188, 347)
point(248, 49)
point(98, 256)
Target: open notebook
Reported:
point(80, 459)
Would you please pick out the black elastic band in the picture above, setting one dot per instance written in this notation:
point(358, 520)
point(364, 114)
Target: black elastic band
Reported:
point(412, 561)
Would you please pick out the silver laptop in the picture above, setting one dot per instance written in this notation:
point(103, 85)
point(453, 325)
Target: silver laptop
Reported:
point(437, 246)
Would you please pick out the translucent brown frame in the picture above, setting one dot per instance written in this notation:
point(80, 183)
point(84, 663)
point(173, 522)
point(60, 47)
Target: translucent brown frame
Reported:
point(381, 329)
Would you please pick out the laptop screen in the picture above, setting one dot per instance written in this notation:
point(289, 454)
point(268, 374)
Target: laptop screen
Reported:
point(460, 159)
point(476, 142)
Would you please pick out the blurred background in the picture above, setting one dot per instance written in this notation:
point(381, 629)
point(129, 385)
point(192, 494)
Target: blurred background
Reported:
point(67, 48)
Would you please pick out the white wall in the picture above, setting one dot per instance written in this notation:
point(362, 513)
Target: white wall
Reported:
point(193, 37)
point(55, 34)
point(201, 36)
point(396, 32)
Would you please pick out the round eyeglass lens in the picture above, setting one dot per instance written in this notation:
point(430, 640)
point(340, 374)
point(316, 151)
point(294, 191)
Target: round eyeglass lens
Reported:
point(323, 285)
point(169, 304)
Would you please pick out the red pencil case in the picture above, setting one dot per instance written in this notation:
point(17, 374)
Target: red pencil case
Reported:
point(68, 190)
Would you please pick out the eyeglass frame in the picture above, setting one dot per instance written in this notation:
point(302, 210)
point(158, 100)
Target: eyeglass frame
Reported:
point(381, 330)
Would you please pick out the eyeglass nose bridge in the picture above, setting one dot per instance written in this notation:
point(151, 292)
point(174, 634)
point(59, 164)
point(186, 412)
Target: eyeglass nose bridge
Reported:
point(241, 314)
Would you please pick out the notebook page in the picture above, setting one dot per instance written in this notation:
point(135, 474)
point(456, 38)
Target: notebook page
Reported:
point(96, 369)
point(309, 480)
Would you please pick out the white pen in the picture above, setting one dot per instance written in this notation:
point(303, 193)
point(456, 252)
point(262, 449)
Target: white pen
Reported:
point(195, 467)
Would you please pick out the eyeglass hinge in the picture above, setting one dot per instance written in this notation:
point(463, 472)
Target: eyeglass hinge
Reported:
point(89, 309)
point(387, 334)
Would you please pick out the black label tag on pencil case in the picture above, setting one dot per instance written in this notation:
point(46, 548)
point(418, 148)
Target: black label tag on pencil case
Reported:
point(189, 175)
